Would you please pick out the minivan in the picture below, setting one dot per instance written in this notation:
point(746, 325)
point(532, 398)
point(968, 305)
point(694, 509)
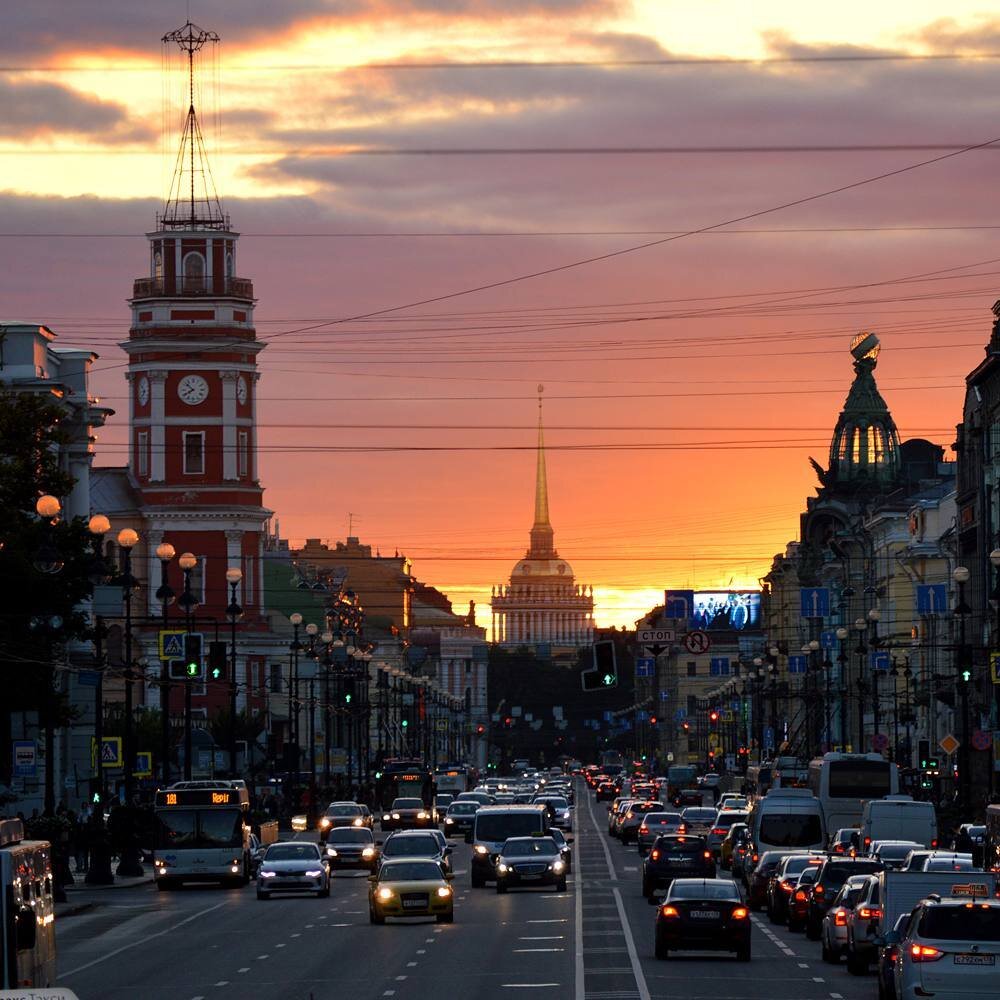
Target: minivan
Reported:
point(898, 817)
point(493, 826)
point(788, 819)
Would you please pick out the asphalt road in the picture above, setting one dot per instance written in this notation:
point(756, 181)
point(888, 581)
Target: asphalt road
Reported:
point(594, 942)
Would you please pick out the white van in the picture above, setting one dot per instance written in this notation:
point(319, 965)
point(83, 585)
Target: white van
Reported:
point(788, 819)
point(898, 817)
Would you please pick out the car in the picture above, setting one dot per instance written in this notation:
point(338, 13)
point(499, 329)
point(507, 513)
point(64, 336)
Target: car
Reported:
point(832, 874)
point(892, 853)
point(407, 814)
point(914, 861)
point(885, 964)
point(798, 902)
point(940, 862)
point(833, 928)
point(344, 814)
point(493, 827)
point(846, 840)
point(862, 924)
point(734, 835)
point(445, 848)
point(698, 820)
point(417, 844)
point(687, 797)
point(616, 811)
point(760, 875)
point(733, 800)
point(605, 791)
point(480, 798)
point(352, 847)
point(720, 827)
point(563, 843)
point(675, 856)
point(441, 802)
point(410, 887)
point(950, 948)
point(653, 825)
point(744, 856)
point(529, 862)
point(782, 883)
point(969, 837)
point(293, 866)
point(255, 851)
point(628, 827)
point(459, 818)
point(703, 914)
point(560, 811)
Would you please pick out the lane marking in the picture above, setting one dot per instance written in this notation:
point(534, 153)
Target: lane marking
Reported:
point(803, 965)
point(399, 979)
point(279, 946)
point(421, 951)
point(144, 939)
point(246, 968)
point(260, 958)
point(548, 937)
point(526, 986)
point(559, 920)
point(222, 982)
point(411, 965)
point(389, 993)
point(633, 955)
point(532, 951)
point(818, 979)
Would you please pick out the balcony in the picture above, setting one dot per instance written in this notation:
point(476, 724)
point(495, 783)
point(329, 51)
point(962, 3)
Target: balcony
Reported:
point(151, 288)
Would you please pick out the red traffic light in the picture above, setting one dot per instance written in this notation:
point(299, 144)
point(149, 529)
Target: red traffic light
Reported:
point(714, 716)
point(685, 725)
point(652, 720)
point(480, 729)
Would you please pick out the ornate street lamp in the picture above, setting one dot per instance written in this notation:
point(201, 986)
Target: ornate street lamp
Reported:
point(234, 613)
point(165, 552)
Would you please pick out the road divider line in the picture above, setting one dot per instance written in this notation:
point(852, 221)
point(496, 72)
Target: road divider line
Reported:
point(145, 939)
point(633, 955)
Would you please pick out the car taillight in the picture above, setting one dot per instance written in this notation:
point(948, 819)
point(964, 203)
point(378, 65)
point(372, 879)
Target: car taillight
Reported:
point(818, 890)
point(840, 918)
point(719, 831)
point(786, 886)
point(925, 953)
point(934, 843)
point(869, 912)
point(868, 841)
point(800, 894)
point(706, 854)
point(644, 829)
point(839, 849)
point(756, 857)
point(669, 911)
point(654, 855)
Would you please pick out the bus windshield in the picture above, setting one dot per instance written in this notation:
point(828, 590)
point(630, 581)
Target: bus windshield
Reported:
point(859, 779)
point(791, 830)
point(208, 828)
point(502, 826)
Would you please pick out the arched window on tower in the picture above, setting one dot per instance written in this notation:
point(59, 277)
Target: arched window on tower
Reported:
point(856, 447)
point(229, 265)
point(158, 268)
point(870, 459)
point(194, 273)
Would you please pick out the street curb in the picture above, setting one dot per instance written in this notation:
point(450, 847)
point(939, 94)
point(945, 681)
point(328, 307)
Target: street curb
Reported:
point(74, 910)
point(131, 884)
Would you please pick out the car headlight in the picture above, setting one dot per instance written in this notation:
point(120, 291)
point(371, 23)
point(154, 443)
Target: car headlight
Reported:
point(557, 866)
point(395, 815)
point(480, 849)
point(386, 816)
point(235, 868)
point(368, 852)
point(448, 820)
point(359, 822)
point(324, 823)
point(502, 867)
point(264, 874)
point(315, 873)
point(444, 891)
point(385, 893)
point(421, 815)
point(331, 853)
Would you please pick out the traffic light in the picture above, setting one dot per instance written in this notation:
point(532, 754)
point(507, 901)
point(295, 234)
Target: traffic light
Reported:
point(713, 715)
point(652, 720)
point(405, 723)
point(480, 729)
point(966, 675)
point(194, 667)
point(923, 753)
point(217, 660)
point(348, 690)
point(603, 675)
point(508, 722)
point(686, 726)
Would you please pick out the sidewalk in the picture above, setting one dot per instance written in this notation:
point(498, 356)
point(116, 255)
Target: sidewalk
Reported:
point(76, 901)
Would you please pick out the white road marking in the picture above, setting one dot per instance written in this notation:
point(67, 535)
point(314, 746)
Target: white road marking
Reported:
point(261, 958)
point(803, 965)
point(522, 986)
point(548, 937)
point(279, 946)
point(389, 993)
point(818, 979)
point(246, 968)
point(143, 940)
point(428, 940)
point(836, 996)
point(559, 920)
point(399, 979)
point(531, 951)
point(296, 934)
point(411, 965)
point(222, 982)
point(629, 868)
point(633, 956)
point(309, 925)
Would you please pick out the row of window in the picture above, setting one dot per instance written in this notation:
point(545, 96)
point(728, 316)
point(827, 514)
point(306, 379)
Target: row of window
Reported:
point(194, 453)
point(873, 444)
point(192, 267)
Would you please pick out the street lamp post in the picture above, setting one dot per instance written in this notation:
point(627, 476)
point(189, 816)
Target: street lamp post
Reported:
point(293, 707)
point(188, 602)
point(312, 630)
point(165, 552)
point(964, 663)
point(874, 616)
point(861, 626)
point(842, 634)
point(234, 613)
point(327, 639)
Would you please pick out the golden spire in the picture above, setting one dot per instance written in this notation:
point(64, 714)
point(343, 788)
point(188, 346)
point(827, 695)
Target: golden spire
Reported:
point(541, 485)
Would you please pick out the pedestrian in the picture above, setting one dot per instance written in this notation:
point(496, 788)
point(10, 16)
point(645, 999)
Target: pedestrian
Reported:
point(82, 840)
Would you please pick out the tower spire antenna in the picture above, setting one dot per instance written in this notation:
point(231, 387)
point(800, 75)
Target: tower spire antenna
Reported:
point(541, 482)
point(192, 201)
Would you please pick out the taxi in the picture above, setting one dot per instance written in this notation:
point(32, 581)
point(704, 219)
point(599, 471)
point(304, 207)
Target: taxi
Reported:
point(411, 887)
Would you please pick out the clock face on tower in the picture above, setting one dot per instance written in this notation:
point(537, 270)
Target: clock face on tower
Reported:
point(241, 390)
point(143, 391)
point(192, 389)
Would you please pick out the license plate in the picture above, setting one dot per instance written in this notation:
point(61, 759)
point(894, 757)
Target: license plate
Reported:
point(676, 857)
point(413, 904)
point(526, 877)
point(705, 914)
point(975, 960)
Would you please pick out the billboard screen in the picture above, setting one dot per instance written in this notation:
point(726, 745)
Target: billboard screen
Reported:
point(702, 609)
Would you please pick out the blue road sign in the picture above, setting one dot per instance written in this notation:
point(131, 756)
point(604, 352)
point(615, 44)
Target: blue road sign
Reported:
point(641, 716)
point(880, 661)
point(769, 737)
point(645, 666)
point(25, 758)
point(680, 715)
point(664, 696)
point(678, 604)
point(718, 666)
point(797, 664)
point(828, 639)
point(607, 716)
point(932, 599)
point(815, 602)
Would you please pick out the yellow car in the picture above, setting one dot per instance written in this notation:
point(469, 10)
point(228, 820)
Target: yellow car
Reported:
point(410, 887)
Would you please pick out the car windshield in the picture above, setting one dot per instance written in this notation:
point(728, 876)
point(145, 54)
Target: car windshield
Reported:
point(835, 876)
point(503, 826)
point(410, 847)
point(444, 800)
point(463, 808)
point(961, 923)
point(407, 804)
point(350, 835)
point(727, 820)
point(410, 871)
point(949, 865)
point(555, 802)
point(292, 852)
point(683, 889)
point(895, 852)
point(680, 845)
point(698, 815)
point(792, 830)
point(663, 819)
point(795, 865)
point(344, 811)
point(530, 848)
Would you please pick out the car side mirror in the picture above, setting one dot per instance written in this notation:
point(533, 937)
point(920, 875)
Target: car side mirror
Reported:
point(569, 840)
point(26, 932)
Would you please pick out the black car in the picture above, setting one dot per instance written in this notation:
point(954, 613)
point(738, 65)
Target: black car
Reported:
point(417, 844)
point(351, 847)
point(833, 873)
point(675, 856)
point(530, 861)
point(703, 915)
point(407, 814)
point(459, 818)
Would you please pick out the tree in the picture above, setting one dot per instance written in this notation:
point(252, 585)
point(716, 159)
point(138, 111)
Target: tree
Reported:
point(44, 567)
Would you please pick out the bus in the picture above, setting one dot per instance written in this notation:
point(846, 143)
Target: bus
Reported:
point(403, 778)
point(453, 778)
point(757, 781)
point(843, 782)
point(201, 834)
point(612, 763)
point(27, 909)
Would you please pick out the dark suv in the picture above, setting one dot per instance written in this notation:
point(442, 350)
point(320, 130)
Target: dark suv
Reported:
point(675, 856)
point(833, 873)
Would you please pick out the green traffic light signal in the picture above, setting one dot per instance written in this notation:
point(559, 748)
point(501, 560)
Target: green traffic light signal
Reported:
point(405, 723)
point(608, 680)
point(347, 699)
point(216, 673)
point(191, 669)
point(966, 675)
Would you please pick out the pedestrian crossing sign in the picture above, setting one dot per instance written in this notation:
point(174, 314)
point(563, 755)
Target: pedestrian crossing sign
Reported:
point(172, 644)
point(143, 764)
point(111, 751)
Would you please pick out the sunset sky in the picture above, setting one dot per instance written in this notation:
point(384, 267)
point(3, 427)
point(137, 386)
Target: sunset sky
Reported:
point(686, 382)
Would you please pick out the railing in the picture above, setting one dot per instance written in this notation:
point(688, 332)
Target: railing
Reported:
point(147, 288)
